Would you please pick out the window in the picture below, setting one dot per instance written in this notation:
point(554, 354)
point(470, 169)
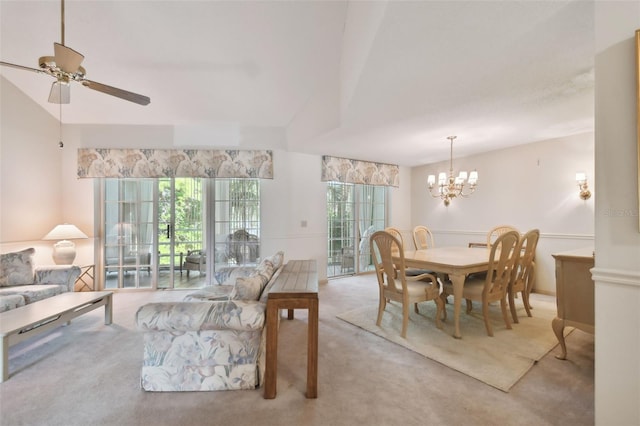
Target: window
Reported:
point(354, 212)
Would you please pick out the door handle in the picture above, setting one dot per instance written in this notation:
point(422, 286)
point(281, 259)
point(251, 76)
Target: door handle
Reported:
point(169, 231)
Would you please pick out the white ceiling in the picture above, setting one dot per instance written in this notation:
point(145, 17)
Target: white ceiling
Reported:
point(380, 81)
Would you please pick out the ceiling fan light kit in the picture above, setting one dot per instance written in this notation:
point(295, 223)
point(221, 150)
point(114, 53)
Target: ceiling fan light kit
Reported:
point(65, 67)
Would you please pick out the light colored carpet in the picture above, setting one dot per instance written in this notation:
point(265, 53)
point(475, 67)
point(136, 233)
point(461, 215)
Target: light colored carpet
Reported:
point(88, 373)
point(499, 361)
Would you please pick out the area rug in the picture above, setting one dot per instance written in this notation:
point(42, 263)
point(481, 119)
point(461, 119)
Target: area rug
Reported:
point(499, 361)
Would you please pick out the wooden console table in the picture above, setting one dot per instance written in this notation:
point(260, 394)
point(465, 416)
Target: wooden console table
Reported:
point(574, 293)
point(295, 288)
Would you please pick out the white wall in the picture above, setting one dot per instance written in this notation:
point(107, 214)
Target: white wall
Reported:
point(528, 186)
point(617, 268)
point(30, 164)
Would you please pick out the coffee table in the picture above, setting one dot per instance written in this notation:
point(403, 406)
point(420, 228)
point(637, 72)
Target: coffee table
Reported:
point(21, 323)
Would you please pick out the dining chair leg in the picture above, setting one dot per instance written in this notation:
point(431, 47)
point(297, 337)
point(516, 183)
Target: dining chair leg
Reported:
point(512, 307)
point(439, 309)
point(485, 314)
point(416, 308)
point(405, 320)
point(381, 306)
point(525, 300)
point(469, 306)
point(505, 315)
point(443, 297)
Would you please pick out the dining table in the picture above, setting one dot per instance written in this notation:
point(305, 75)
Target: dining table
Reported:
point(457, 263)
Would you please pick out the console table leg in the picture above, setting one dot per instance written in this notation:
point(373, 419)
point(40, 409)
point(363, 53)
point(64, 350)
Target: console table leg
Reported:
point(312, 350)
point(270, 373)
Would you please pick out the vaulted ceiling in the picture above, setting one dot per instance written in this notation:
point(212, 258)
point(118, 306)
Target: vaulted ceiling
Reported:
point(383, 81)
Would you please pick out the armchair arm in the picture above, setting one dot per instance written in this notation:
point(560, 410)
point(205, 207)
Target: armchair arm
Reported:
point(239, 315)
point(57, 274)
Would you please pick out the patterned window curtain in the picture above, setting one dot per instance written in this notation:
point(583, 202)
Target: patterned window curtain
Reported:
point(336, 169)
point(157, 163)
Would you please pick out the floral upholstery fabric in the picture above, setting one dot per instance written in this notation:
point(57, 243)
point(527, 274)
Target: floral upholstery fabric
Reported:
point(203, 345)
point(277, 259)
point(247, 288)
point(212, 292)
point(16, 268)
point(60, 275)
point(11, 301)
point(200, 360)
point(189, 316)
point(265, 270)
point(33, 292)
point(228, 275)
point(21, 285)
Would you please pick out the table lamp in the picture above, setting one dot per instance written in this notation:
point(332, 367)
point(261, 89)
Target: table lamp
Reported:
point(64, 251)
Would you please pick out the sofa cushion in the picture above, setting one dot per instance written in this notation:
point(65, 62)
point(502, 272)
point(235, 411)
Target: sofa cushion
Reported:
point(228, 275)
point(11, 301)
point(248, 288)
point(277, 259)
point(265, 269)
point(34, 292)
point(17, 268)
point(212, 292)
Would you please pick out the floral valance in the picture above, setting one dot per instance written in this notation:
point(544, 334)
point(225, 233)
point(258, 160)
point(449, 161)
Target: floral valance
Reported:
point(335, 169)
point(154, 163)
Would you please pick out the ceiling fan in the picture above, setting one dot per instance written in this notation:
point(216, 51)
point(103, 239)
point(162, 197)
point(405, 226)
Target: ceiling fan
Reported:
point(65, 67)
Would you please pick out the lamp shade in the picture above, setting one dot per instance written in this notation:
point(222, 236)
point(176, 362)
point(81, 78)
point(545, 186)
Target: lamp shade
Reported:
point(64, 251)
point(65, 231)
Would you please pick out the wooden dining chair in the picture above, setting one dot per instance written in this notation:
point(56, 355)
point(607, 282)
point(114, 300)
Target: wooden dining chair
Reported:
point(395, 285)
point(503, 255)
point(497, 231)
point(422, 238)
point(523, 272)
point(398, 235)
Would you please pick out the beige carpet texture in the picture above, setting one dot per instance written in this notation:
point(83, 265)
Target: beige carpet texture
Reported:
point(88, 373)
point(499, 361)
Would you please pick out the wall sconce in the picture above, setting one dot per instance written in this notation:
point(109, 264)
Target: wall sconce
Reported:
point(581, 179)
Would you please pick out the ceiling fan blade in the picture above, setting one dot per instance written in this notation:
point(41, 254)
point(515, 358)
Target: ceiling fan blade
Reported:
point(113, 91)
point(22, 67)
point(67, 59)
point(60, 93)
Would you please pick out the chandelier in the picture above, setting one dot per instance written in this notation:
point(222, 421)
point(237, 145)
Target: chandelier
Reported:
point(450, 186)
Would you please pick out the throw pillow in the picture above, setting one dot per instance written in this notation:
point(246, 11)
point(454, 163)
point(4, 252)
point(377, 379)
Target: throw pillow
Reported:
point(17, 268)
point(228, 275)
point(277, 259)
point(247, 288)
point(265, 269)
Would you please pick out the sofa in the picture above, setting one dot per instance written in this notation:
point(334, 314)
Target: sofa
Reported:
point(21, 283)
point(214, 339)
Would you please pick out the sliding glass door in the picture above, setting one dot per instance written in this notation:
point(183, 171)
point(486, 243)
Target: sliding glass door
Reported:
point(354, 212)
point(181, 233)
point(128, 233)
point(157, 232)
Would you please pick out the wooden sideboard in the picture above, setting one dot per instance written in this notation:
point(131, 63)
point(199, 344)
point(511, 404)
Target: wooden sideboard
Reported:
point(574, 293)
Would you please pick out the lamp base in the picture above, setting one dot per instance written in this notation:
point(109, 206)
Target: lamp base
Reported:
point(64, 252)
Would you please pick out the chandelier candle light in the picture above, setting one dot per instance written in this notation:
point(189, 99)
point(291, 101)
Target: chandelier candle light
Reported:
point(450, 186)
point(64, 251)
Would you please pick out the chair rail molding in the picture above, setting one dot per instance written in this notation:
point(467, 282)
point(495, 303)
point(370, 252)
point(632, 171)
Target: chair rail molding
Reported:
point(616, 276)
